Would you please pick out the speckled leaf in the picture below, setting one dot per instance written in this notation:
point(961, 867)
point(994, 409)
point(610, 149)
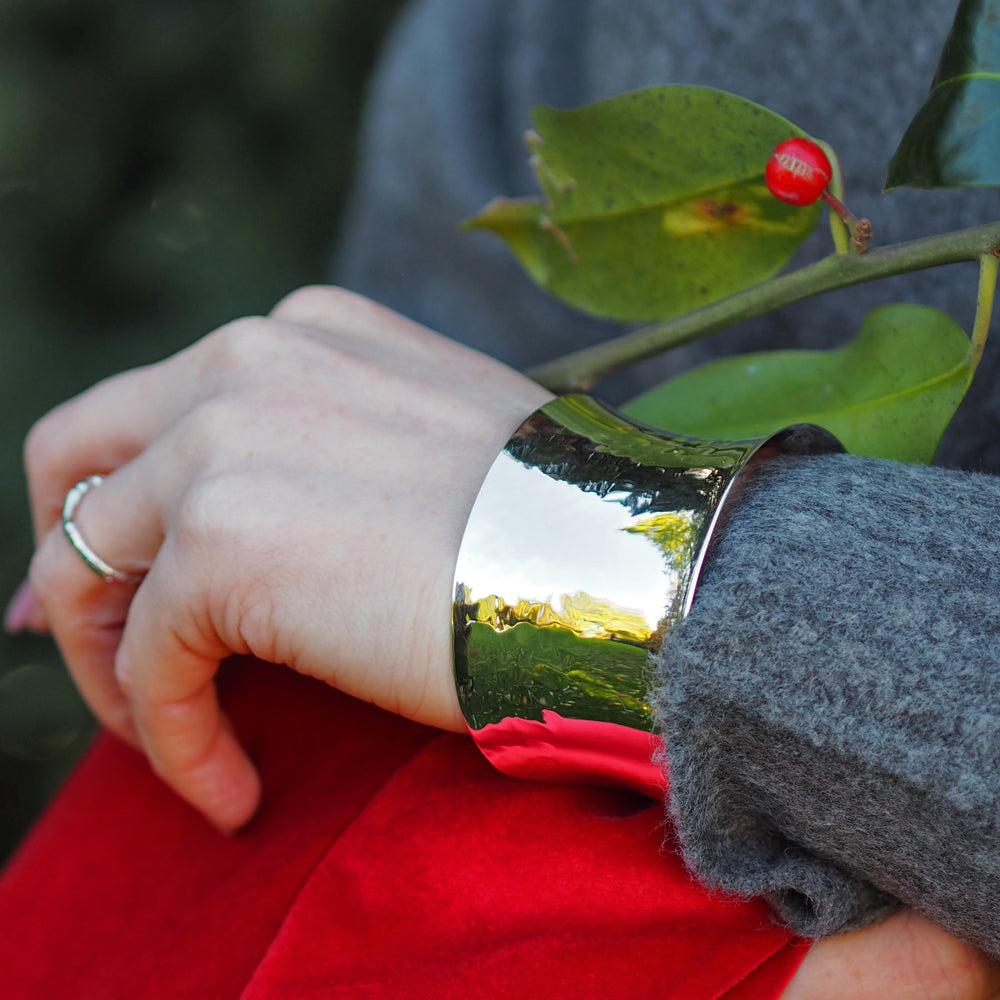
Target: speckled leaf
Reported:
point(954, 141)
point(890, 393)
point(654, 203)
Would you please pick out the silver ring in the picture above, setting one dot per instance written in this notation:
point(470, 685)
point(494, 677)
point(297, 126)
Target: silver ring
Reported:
point(104, 570)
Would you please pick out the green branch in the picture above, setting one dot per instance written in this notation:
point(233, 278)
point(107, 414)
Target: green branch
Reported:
point(580, 370)
point(989, 265)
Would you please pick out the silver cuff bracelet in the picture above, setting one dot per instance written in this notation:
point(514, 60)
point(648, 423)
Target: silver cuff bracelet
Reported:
point(582, 551)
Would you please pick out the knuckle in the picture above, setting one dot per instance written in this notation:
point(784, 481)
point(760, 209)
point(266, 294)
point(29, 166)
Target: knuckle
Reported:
point(210, 424)
point(214, 530)
point(45, 442)
point(41, 445)
point(211, 435)
point(240, 344)
point(311, 303)
point(204, 521)
point(125, 677)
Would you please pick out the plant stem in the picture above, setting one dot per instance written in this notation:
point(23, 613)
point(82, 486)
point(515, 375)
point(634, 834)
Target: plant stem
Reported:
point(838, 228)
point(989, 266)
point(580, 370)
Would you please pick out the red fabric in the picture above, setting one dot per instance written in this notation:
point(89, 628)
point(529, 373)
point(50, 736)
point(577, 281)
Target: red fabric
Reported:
point(585, 751)
point(387, 861)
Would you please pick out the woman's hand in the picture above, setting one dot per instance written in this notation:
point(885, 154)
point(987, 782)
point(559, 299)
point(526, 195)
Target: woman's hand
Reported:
point(294, 487)
point(903, 958)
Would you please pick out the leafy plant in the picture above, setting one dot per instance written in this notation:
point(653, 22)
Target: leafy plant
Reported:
point(654, 208)
point(654, 203)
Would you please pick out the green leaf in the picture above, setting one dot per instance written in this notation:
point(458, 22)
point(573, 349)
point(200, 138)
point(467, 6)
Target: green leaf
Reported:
point(954, 141)
point(889, 394)
point(654, 203)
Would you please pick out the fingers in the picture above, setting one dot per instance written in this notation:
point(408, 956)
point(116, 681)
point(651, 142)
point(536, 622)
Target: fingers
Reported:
point(85, 613)
point(110, 424)
point(96, 432)
point(140, 656)
point(166, 666)
point(126, 647)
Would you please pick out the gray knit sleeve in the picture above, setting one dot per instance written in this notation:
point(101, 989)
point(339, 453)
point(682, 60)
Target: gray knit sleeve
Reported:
point(832, 704)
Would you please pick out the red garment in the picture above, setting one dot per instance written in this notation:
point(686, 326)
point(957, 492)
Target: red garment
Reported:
point(387, 860)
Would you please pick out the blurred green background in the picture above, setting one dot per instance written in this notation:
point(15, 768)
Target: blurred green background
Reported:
point(165, 166)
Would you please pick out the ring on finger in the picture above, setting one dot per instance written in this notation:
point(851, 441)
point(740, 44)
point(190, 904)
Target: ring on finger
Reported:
point(91, 559)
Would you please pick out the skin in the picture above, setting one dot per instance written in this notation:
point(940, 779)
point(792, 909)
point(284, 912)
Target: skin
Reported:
point(266, 482)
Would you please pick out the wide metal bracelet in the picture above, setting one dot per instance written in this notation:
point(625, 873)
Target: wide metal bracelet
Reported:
point(583, 549)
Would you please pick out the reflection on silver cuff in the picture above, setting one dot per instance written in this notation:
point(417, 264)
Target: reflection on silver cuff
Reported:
point(583, 549)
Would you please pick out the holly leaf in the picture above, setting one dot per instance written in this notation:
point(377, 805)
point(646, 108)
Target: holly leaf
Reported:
point(889, 394)
point(954, 140)
point(654, 203)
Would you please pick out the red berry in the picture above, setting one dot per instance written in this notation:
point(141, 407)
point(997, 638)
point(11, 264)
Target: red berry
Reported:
point(798, 172)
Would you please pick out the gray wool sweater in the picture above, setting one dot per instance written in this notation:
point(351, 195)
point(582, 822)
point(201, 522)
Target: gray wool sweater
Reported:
point(832, 704)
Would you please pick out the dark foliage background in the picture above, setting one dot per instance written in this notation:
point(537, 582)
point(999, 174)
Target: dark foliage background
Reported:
point(165, 166)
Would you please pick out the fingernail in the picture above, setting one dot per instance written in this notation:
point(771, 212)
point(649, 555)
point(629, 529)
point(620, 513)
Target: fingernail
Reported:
point(24, 613)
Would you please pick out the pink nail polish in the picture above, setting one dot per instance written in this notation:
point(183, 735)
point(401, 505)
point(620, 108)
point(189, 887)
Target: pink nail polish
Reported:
point(24, 613)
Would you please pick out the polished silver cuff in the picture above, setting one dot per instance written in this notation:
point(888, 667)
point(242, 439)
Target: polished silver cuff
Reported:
point(582, 551)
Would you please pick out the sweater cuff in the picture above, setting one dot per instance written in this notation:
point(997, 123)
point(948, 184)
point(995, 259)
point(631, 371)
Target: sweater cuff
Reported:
point(830, 703)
